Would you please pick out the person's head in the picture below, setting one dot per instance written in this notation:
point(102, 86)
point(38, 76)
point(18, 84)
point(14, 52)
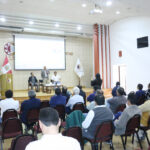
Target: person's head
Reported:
point(117, 83)
point(9, 94)
point(99, 99)
point(80, 87)
point(97, 76)
point(120, 91)
point(99, 92)
point(49, 120)
point(55, 73)
point(57, 91)
point(32, 74)
point(149, 86)
point(64, 90)
point(44, 67)
point(32, 94)
point(76, 91)
point(132, 98)
point(96, 87)
point(139, 86)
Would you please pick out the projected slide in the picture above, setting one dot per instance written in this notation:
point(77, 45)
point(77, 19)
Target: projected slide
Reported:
point(34, 52)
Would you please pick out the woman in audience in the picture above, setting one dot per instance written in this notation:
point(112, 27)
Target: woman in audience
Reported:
point(97, 81)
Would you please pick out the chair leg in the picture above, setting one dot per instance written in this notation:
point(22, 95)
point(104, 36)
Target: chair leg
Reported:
point(111, 145)
point(147, 137)
point(133, 138)
point(125, 140)
point(100, 145)
point(124, 146)
point(139, 141)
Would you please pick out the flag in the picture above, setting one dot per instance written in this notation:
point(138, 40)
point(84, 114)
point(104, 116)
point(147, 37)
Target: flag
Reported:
point(79, 69)
point(6, 68)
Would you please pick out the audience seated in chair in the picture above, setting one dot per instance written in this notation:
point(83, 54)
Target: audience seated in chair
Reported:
point(8, 103)
point(127, 114)
point(57, 99)
point(76, 98)
point(33, 82)
point(26, 105)
point(65, 93)
point(114, 90)
point(91, 97)
point(49, 123)
point(95, 117)
point(82, 93)
point(114, 102)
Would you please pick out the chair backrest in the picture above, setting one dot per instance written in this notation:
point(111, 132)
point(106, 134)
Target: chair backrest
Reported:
point(10, 113)
point(121, 108)
point(61, 111)
point(11, 127)
point(78, 106)
point(104, 131)
point(75, 132)
point(133, 125)
point(33, 115)
point(44, 104)
point(21, 141)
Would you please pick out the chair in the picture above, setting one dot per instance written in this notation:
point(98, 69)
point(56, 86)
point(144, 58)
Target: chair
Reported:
point(121, 108)
point(61, 111)
point(10, 113)
point(104, 132)
point(78, 106)
point(145, 129)
point(11, 127)
point(74, 132)
point(132, 128)
point(44, 104)
point(21, 141)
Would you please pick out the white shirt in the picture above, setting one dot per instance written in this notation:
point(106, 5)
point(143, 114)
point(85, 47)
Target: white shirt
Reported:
point(90, 116)
point(54, 142)
point(55, 78)
point(46, 75)
point(73, 100)
point(8, 103)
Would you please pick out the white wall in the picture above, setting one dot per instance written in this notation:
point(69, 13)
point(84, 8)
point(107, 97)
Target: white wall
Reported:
point(123, 36)
point(80, 47)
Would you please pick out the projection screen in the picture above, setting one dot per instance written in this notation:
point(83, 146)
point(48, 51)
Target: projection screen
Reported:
point(34, 52)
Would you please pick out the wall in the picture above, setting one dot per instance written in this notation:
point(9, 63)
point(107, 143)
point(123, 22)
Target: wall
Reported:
point(123, 36)
point(81, 48)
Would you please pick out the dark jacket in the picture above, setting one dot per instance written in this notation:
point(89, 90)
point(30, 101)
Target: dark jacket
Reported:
point(30, 79)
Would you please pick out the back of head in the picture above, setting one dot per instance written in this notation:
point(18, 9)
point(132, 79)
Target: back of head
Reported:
point(57, 91)
point(117, 83)
point(96, 87)
point(32, 94)
point(99, 99)
point(80, 87)
point(97, 76)
point(140, 86)
point(99, 92)
point(132, 98)
point(121, 91)
point(64, 90)
point(9, 94)
point(149, 86)
point(76, 90)
point(49, 116)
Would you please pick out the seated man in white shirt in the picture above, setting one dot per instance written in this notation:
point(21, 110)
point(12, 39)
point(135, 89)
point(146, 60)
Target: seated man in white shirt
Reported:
point(49, 123)
point(9, 102)
point(76, 98)
point(56, 79)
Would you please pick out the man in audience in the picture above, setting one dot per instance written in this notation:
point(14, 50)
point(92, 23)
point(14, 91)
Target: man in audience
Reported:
point(82, 93)
point(127, 114)
point(91, 97)
point(57, 99)
point(8, 103)
point(115, 89)
point(140, 91)
point(95, 117)
point(56, 79)
point(76, 98)
point(114, 102)
point(65, 93)
point(33, 82)
point(26, 105)
point(45, 75)
point(49, 123)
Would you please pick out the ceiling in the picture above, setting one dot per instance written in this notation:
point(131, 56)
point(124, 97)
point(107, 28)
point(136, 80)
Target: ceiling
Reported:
point(71, 11)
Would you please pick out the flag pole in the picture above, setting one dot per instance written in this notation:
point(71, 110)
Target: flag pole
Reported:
point(79, 81)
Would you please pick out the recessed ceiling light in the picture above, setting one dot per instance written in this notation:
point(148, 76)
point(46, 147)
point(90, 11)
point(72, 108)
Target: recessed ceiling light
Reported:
point(2, 19)
point(84, 5)
point(97, 10)
point(31, 22)
point(109, 3)
point(117, 12)
point(57, 25)
point(79, 27)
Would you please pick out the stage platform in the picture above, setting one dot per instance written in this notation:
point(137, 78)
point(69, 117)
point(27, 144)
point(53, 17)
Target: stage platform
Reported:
point(23, 94)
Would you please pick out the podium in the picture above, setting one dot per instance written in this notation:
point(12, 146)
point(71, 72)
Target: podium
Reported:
point(6, 83)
